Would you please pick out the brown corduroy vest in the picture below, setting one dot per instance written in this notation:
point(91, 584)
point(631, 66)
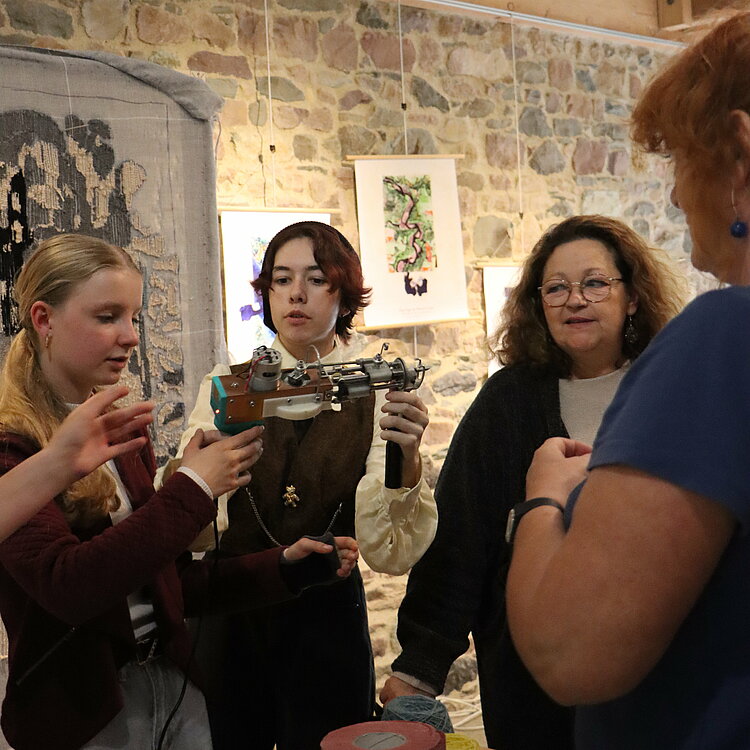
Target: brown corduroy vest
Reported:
point(324, 468)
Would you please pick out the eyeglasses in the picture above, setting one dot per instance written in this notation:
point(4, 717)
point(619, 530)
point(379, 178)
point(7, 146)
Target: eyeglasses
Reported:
point(555, 292)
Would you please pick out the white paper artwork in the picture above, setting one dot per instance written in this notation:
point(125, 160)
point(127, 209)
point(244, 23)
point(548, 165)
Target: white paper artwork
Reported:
point(410, 241)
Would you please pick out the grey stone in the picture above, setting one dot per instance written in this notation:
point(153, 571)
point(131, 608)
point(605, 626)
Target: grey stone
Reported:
point(529, 71)
point(39, 18)
point(471, 180)
point(583, 77)
point(614, 130)
point(476, 108)
point(305, 148)
point(415, 19)
point(547, 159)
point(463, 670)
point(426, 96)
point(491, 237)
point(641, 208)
point(534, 96)
point(475, 28)
point(355, 140)
point(617, 109)
point(560, 208)
point(368, 15)
point(161, 57)
point(641, 226)
point(256, 113)
point(226, 87)
point(567, 127)
point(533, 121)
point(314, 6)
point(420, 141)
point(385, 118)
point(454, 382)
point(281, 88)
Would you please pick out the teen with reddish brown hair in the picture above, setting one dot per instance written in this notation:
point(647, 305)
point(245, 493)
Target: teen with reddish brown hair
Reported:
point(288, 675)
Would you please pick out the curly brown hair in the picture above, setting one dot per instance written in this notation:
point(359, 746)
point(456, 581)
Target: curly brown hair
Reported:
point(686, 107)
point(337, 259)
point(523, 336)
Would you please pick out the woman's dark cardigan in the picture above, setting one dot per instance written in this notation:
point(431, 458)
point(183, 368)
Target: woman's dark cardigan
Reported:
point(459, 584)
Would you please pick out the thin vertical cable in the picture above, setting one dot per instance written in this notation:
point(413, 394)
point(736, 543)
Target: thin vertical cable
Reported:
point(272, 144)
point(403, 91)
point(518, 134)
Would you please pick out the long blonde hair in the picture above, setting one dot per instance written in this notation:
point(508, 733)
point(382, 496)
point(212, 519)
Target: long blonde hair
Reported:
point(29, 405)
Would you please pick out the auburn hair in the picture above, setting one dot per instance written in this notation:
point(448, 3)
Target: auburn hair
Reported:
point(337, 259)
point(686, 106)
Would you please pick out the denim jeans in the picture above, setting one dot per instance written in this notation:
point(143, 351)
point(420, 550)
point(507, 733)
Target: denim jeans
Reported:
point(150, 692)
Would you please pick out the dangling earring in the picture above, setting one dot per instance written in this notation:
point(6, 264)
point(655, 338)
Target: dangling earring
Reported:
point(631, 334)
point(738, 229)
point(47, 339)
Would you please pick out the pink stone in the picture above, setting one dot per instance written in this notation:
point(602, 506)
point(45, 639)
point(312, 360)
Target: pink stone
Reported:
point(589, 157)
point(352, 98)
point(501, 150)
point(340, 49)
point(383, 50)
point(214, 31)
point(296, 37)
point(560, 73)
point(225, 65)
point(320, 119)
point(619, 163)
point(635, 86)
point(156, 26)
point(251, 32)
point(580, 106)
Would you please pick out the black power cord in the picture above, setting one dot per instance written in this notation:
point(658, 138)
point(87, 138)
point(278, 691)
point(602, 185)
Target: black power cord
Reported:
point(195, 639)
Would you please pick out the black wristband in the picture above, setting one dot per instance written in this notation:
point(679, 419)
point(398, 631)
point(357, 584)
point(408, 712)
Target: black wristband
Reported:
point(517, 512)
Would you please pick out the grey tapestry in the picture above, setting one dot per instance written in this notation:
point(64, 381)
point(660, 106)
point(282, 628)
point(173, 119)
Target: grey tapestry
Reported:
point(123, 150)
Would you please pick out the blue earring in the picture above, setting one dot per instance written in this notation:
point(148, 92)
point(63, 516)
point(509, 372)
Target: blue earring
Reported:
point(738, 228)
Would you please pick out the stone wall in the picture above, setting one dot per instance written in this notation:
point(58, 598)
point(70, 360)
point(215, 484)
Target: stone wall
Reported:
point(336, 85)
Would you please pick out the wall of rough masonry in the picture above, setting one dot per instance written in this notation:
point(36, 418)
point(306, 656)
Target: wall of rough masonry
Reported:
point(336, 84)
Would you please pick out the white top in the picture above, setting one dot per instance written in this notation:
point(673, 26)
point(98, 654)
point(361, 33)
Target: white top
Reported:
point(394, 527)
point(583, 403)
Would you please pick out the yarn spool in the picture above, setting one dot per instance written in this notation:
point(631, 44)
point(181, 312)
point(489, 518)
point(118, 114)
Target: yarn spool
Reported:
point(385, 735)
point(418, 708)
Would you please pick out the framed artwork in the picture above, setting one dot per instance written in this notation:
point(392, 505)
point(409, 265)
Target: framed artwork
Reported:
point(498, 281)
point(410, 240)
point(245, 234)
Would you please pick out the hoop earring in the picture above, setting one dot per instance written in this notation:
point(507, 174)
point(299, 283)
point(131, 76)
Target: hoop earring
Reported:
point(631, 333)
point(738, 228)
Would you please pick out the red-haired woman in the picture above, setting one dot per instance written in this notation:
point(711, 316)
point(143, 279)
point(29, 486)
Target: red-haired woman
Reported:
point(287, 675)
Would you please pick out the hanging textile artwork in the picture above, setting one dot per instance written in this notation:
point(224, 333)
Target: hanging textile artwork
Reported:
point(119, 149)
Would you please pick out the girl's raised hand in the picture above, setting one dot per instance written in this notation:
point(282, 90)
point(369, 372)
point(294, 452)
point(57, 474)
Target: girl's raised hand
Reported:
point(92, 433)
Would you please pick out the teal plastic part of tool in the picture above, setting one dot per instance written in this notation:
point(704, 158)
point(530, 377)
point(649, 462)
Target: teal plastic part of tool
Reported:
point(219, 401)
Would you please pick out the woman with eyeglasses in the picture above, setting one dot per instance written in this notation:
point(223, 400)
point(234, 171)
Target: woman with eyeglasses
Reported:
point(591, 296)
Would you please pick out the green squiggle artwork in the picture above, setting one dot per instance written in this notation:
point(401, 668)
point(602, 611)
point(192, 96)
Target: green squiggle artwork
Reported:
point(409, 227)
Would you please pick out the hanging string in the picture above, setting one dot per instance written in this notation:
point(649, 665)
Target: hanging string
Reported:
point(518, 135)
point(272, 144)
point(401, 61)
